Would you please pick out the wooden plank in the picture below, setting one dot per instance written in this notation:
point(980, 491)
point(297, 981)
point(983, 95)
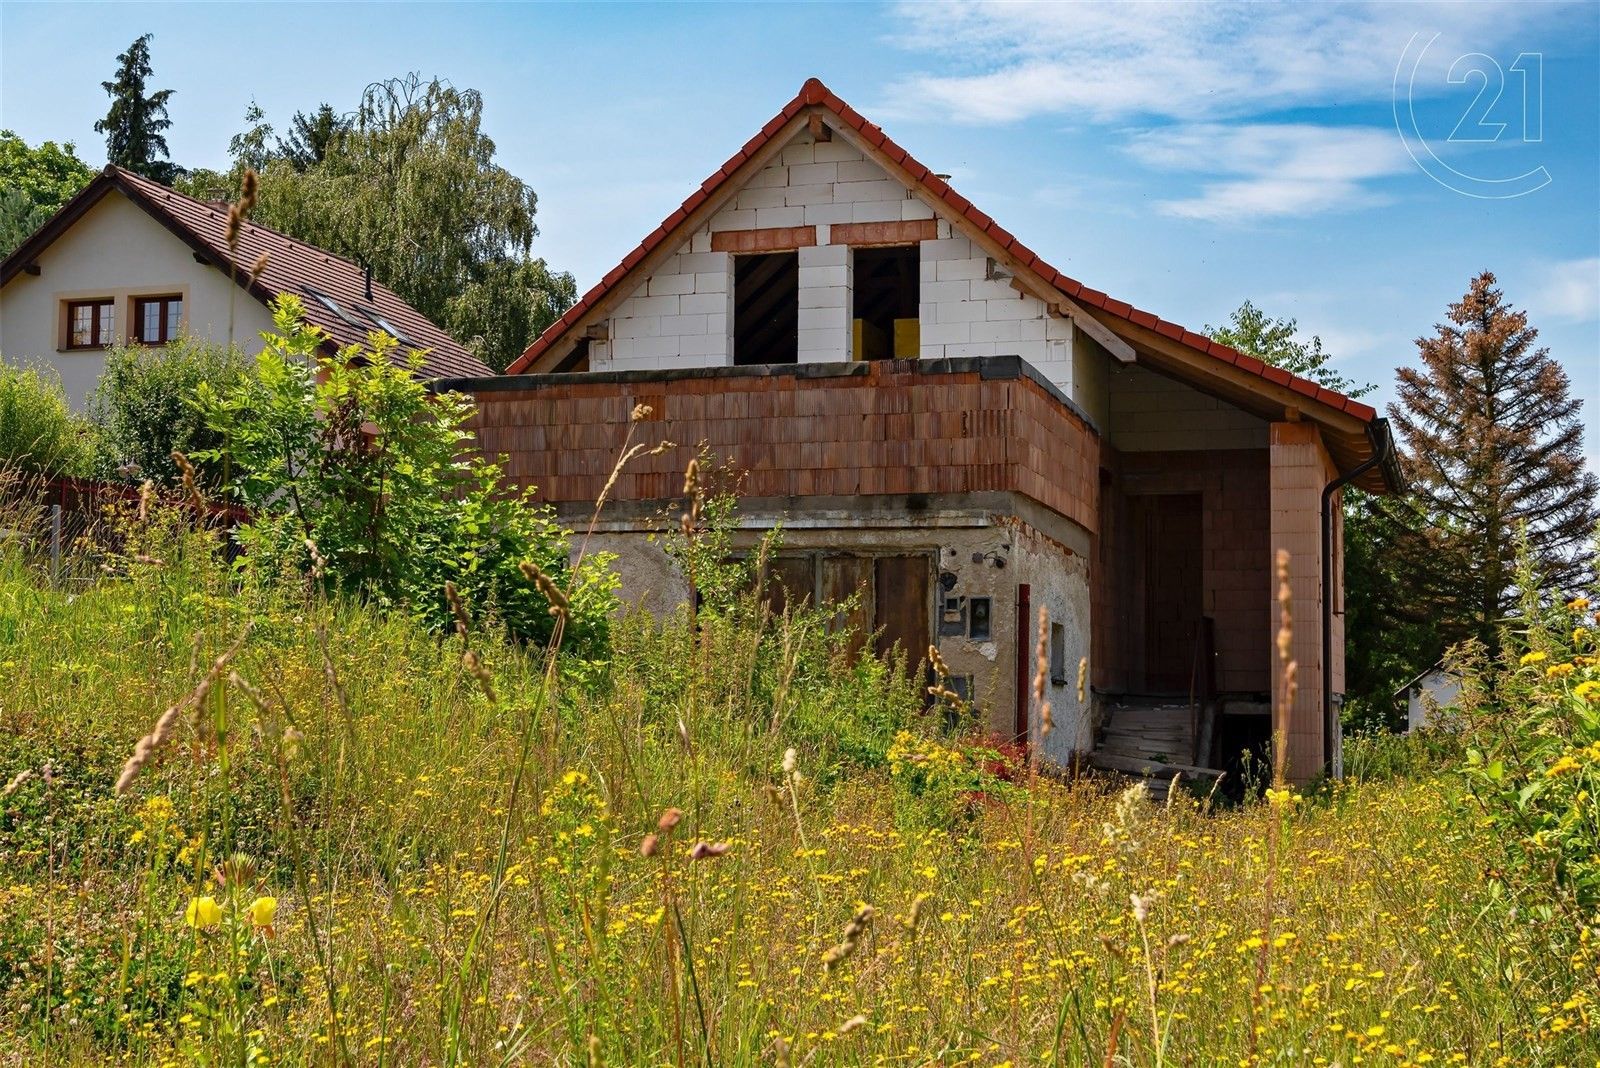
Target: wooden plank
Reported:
point(902, 609)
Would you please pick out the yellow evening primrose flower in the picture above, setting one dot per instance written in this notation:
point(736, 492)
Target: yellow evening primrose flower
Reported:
point(203, 912)
point(262, 910)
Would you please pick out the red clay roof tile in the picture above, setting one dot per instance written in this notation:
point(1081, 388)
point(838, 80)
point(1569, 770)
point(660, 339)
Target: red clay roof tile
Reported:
point(296, 267)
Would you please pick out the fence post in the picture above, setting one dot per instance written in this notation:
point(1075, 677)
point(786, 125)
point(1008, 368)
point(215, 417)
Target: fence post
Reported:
point(55, 546)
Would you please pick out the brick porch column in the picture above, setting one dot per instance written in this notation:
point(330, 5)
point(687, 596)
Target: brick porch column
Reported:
point(1300, 468)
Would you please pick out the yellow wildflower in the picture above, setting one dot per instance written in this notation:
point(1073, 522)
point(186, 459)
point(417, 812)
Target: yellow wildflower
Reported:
point(203, 912)
point(1533, 658)
point(262, 910)
point(1561, 767)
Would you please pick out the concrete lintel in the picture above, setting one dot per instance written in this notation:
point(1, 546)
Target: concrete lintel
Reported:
point(953, 511)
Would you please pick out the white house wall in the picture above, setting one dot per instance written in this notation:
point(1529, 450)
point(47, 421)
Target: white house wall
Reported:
point(682, 316)
point(116, 250)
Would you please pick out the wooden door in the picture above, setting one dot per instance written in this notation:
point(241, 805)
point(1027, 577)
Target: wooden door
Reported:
point(842, 578)
point(1172, 533)
point(902, 607)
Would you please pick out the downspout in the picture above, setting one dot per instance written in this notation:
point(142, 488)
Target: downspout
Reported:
point(1382, 446)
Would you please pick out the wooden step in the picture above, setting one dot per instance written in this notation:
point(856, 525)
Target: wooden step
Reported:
point(1148, 768)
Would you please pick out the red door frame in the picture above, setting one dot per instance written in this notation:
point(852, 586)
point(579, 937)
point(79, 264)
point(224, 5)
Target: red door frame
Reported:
point(1020, 722)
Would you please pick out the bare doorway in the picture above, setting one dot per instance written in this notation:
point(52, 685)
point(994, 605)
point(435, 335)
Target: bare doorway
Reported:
point(1168, 532)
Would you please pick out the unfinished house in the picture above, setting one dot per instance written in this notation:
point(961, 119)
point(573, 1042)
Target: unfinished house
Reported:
point(951, 428)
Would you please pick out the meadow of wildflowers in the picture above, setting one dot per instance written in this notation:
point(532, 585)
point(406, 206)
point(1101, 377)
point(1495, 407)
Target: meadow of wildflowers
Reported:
point(244, 824)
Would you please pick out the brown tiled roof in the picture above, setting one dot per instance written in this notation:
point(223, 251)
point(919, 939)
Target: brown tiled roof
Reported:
point(292, 267)
point(816, 95)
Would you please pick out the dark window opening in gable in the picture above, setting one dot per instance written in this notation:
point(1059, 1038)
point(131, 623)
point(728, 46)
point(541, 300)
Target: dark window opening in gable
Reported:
point(766, 308)
point(887, 292)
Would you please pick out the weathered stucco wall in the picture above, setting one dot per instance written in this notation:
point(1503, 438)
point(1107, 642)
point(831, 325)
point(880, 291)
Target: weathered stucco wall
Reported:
point(116, 251)
point(977, 552)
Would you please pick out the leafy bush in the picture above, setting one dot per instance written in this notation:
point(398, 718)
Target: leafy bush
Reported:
point(145, 405)
point(1533, 727)
point(353, 453)
point(38, 432)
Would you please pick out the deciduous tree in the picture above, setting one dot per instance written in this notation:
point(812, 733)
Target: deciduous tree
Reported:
point(409, 187)
point(34, 184)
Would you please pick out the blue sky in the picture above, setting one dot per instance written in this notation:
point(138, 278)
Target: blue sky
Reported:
point(1351, 166)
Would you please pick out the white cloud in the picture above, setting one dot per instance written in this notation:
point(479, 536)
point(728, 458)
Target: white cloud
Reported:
point(1271, 170)
point(1566, 291)
point(1185, 61)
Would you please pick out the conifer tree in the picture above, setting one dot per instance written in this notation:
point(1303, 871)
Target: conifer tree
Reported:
point(136, 125)
point(1493, 445)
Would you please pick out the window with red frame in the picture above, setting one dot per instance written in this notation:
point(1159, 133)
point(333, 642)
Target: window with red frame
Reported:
point(91, 324)
point(156, 320)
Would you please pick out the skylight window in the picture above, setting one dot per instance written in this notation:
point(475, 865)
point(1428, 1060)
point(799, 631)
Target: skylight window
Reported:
point(331, 304)
point(386, 326)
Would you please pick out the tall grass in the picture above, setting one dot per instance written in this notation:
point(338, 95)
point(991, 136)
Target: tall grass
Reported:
point(471, 860)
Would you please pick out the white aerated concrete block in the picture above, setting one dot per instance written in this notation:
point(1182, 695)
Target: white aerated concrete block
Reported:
point(734, 219)
point(813, 173)
point(962, 311)
point(664, 305)
point(772, 197)
point(670, 284)
point(836, 151)
point(770, 217)
point(868, 192)
point(828, 214)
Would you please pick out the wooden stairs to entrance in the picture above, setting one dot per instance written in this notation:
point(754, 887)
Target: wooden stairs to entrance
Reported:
point(1152, 739)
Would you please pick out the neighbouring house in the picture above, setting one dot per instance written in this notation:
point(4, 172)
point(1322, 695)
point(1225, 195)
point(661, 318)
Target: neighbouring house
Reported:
point(947, 425)
point(1430, 692)
point(128, 260)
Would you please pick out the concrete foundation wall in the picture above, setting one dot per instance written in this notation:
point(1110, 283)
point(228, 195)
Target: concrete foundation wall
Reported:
point(985, 552)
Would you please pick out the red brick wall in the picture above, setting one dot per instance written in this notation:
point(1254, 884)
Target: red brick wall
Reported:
point(891, 429)
point(1236, 583)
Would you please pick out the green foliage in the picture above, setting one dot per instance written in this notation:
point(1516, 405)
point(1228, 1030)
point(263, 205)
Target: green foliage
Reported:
point(1531, 720)
point(352, 452)
point(253, 146)
point(145, 405)
point(312, 137)
point(136, 125)
point(34, 184)
point(1277, 341)
point(408, 185)
point(38, 432)
point(1388, 641)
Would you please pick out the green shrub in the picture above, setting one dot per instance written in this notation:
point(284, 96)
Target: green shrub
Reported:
point(1532, 724)
point(352, 452)
point(145, 405)
point(38, 432)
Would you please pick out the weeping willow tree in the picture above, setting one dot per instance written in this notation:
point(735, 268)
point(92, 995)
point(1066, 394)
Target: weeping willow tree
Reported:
point(410, 188)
